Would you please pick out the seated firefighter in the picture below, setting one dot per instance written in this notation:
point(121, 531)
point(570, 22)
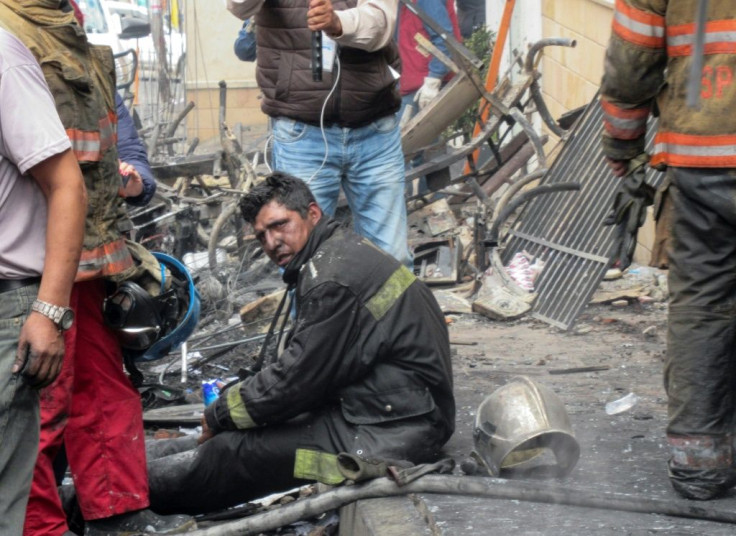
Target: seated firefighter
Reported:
point(365, 369)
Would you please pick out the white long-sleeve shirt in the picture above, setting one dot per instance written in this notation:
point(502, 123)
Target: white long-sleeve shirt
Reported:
point(368, 26)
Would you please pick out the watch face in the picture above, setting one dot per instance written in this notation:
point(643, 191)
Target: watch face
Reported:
point(67, 319)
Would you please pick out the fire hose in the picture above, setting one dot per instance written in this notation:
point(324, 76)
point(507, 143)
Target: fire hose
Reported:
point(491, 488)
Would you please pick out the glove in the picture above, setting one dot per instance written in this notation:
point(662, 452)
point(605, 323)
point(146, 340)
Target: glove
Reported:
point(632, 191)
point(628, 213)
point(428, 91)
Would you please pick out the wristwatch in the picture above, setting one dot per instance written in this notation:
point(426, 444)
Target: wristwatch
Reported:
point(63, 317)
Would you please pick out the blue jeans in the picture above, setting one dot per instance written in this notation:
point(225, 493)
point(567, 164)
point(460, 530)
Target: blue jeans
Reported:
point(407, 103)
point(367, 162)
point(19, 415)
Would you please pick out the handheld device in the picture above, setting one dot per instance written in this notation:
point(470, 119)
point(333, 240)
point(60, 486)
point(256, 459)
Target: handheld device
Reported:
point(317, 56)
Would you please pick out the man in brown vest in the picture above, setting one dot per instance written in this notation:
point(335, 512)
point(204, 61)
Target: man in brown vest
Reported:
point(341, 130)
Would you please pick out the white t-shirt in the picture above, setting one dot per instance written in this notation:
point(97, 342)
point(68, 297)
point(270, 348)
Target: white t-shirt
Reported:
point(30, 132)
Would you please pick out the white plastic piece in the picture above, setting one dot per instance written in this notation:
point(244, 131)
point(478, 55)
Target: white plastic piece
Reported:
point(622, 404)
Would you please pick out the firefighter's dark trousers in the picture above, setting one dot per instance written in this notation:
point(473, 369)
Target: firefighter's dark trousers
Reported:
point(235, 467)
point(238, 466)
point(700, 369)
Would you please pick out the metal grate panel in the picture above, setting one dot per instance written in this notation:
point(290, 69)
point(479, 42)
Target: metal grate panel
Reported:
point(565, 229)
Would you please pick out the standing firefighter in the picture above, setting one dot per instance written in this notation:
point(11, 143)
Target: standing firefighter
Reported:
point(365, 370)
point(647, 70)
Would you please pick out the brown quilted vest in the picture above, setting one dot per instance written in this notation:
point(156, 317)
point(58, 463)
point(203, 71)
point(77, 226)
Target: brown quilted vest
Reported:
point(366, 90)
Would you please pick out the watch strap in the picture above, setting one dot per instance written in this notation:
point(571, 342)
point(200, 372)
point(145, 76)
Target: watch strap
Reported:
point(53, 312)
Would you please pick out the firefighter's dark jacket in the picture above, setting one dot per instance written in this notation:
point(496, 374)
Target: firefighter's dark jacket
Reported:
point(368, 338)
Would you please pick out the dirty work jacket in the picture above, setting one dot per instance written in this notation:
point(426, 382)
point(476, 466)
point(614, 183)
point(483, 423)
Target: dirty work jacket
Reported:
point(647, 68)
point(366, 91)
point(368, 338)
point(82, 80)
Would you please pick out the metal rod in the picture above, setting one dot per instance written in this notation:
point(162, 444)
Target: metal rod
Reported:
point(184, 362)
point(231, 343)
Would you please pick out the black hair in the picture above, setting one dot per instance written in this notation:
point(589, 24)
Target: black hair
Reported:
point(281, 187)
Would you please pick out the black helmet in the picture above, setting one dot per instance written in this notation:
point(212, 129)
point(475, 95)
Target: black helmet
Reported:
point(151, 326)
point(133, 314)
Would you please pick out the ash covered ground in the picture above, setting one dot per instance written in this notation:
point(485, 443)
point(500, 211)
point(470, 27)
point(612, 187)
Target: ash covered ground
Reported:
point(615, 348)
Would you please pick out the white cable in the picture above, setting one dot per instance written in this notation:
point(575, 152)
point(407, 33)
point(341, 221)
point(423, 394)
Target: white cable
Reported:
point(265, 153)
point(322, 119)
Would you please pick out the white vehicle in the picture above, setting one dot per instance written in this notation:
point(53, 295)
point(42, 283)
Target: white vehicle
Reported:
point(147, 57)
point(98, 25)
point(104, 29)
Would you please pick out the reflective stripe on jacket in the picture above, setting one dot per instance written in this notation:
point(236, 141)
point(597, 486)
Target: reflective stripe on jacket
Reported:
point(81, 78)
point(647, 71)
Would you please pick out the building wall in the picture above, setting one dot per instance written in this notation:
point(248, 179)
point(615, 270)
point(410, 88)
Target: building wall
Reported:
point(211, 31)
point(571, 76)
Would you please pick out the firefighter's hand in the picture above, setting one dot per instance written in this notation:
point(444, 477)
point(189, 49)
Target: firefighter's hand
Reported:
point(321, 16)
point(40, 351)
point(618, 167)
point(206, 434)
point(132, 181)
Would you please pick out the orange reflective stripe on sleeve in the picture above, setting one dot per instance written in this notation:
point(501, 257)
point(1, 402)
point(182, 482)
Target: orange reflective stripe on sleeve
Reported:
point(638, 27)
point(86, 145)
point(687, 150)
point(89, 146)
point(105, 260)
point(622, 123)
point(720, 38)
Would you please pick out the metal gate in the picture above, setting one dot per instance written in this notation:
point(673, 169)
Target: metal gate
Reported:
point(565, 230)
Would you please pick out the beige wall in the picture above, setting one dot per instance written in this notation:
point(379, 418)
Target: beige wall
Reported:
point(211, 32)
point(571, 76)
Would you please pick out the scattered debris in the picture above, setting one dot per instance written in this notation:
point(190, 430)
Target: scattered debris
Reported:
point(622, 404)
point(454, 240)
point(434, 219)
point(651, 331)
point(574, 370)
point(437, 262)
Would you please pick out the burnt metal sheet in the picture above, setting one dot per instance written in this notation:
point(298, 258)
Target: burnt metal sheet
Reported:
point(436, 261)
point(565, 230)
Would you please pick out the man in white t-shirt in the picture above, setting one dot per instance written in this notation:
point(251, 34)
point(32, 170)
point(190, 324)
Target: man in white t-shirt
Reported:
point(42, 210)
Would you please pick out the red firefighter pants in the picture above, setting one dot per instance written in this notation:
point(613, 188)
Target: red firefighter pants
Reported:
point(95, 411)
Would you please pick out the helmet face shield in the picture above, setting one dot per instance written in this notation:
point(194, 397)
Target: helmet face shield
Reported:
point(137, 338)
point(132, 314)
point(117, 309)
point(519, 423)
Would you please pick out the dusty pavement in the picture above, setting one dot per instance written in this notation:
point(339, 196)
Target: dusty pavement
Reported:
point(623, 453)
